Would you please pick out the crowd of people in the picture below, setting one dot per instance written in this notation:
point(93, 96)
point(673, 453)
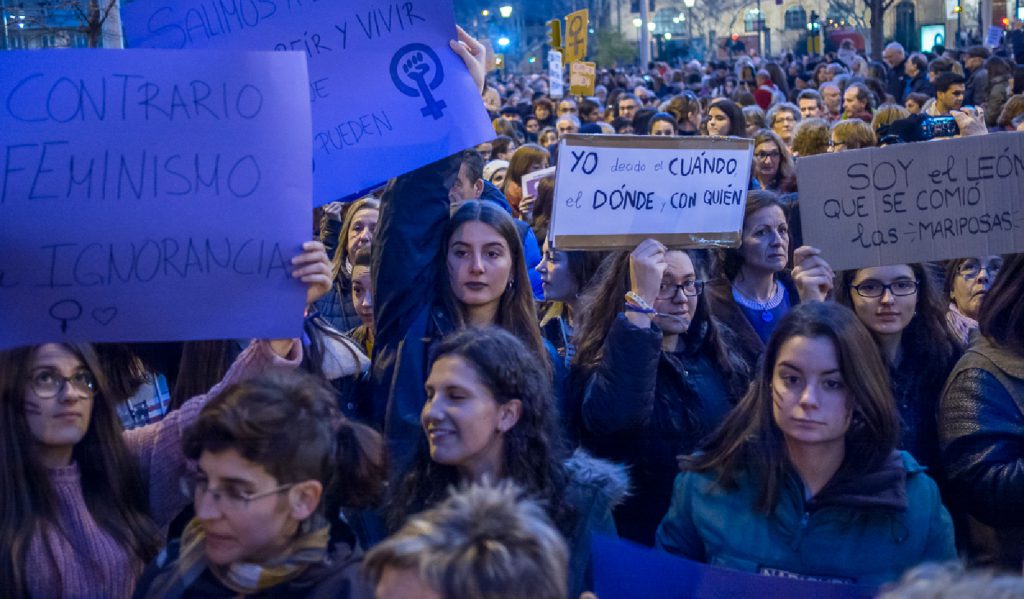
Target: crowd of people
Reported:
point(469, 405)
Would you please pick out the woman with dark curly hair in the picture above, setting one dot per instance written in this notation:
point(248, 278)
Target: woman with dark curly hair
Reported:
point(901, 307)
point(490, 414)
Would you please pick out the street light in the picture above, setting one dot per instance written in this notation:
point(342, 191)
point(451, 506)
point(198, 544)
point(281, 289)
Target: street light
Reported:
point(506, 11)
point(504, 41)
point(689, 4)
point(638, 22)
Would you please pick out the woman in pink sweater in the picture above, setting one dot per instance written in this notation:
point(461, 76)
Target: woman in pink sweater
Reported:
point(85, 505)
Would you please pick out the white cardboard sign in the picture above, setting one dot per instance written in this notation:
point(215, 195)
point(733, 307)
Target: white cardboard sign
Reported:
point(614, 191)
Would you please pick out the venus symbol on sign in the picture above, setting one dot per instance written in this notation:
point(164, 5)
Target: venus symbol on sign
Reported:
point(575, 31)
point(410, 67)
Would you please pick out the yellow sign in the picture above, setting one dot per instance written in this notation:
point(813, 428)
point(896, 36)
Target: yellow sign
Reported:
point(582, 77)
point(576, 25)
point(555, 34)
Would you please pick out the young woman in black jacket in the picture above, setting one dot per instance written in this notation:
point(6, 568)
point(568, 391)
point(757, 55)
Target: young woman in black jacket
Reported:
point(653, 374)
point(901, 307)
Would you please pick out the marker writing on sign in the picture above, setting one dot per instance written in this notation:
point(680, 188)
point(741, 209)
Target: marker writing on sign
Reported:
point(124, 97)
point(142, 261)
point(52, 171)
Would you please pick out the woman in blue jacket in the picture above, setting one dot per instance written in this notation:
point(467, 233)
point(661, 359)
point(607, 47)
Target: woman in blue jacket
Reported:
point(802, 479)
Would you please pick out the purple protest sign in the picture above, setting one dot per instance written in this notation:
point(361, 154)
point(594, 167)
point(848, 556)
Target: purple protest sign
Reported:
point(388, 93)
point(150, 196)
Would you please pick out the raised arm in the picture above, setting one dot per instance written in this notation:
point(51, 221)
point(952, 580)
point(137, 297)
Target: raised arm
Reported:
point(158, 447)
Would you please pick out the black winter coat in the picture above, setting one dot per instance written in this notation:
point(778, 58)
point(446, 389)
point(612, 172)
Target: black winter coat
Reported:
point(645, 407)
point(981, 432)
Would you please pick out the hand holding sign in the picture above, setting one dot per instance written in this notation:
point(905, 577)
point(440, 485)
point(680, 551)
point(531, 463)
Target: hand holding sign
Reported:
point(314, 269)
point(646, 268)
point(812, 275)
point(473, 54)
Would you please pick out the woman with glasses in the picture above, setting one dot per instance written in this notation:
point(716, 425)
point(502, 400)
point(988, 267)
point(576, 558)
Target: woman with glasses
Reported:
point(275, 461)
point(803, 479)
point(852, 134)
point(968, 281)
point(653, 373)
point(901, 307)
point(85, 504)
point(774, 169)
point(981, 429)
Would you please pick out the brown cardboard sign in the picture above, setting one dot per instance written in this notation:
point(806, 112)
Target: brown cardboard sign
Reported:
point(614, 191)
point(915, 202)
point(582, 78)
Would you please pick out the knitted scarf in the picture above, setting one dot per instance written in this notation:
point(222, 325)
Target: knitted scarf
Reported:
point(958, 323)
point(244, 578)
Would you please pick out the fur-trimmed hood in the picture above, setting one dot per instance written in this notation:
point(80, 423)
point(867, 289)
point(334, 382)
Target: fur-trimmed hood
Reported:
point(610, 479)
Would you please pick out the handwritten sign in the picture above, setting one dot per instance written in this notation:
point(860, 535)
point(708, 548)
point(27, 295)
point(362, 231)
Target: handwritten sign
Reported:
point(388, 94)
point(145, 196)
point(532, 180)
point(627, 571)
point(915, 202)
point(582, 78)
point(615, 191)
point(556, 73)
point(576, 25)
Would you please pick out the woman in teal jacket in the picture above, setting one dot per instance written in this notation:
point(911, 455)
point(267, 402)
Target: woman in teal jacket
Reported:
point(802, 479)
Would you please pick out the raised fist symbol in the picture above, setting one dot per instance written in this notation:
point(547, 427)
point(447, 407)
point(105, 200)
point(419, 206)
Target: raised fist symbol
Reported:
point(416, 66)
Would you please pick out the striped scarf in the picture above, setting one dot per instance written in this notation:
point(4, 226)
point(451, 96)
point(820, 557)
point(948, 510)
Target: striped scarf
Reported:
point(244, 578)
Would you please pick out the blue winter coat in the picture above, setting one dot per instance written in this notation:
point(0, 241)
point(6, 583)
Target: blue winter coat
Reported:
point(865, 531)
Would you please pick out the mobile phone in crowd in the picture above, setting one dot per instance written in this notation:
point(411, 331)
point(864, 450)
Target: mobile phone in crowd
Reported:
point(939, 126)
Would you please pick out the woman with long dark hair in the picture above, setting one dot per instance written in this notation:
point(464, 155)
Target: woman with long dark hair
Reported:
point(724, 118)
point(86, 504)
point(981, 426)
point(900, 305)
point(490, 415)
point(806, 468)
point(653, 373)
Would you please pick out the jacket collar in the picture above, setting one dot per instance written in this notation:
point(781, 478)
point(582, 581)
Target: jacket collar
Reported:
point(1004, 358)
point(883, 489)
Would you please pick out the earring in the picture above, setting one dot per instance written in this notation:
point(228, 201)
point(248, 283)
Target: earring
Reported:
point(511, 284)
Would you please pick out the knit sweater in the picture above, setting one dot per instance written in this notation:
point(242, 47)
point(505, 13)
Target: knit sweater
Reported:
point(77, 559)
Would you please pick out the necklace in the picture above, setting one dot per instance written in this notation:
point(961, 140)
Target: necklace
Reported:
point(766, 306)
